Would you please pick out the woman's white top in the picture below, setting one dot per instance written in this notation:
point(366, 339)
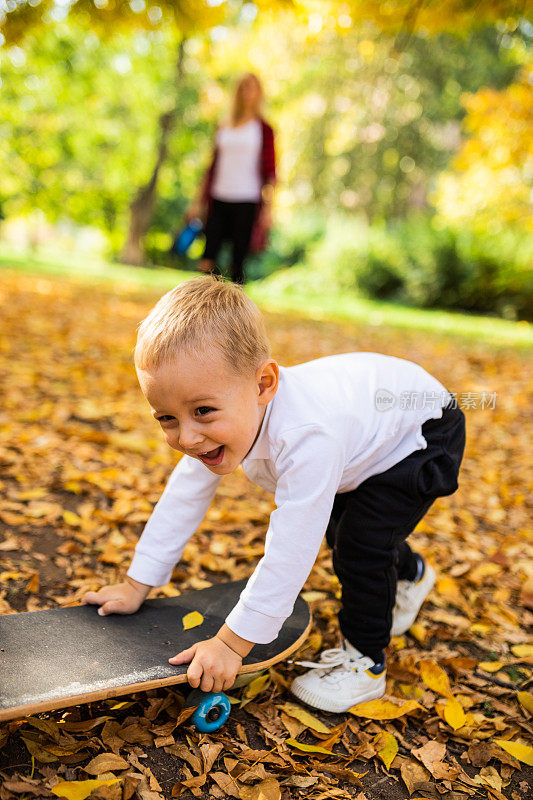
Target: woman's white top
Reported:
point(236, 178)
point(333, 423)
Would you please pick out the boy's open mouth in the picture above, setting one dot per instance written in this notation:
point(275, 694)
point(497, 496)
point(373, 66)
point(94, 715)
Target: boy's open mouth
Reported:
point(213, 457)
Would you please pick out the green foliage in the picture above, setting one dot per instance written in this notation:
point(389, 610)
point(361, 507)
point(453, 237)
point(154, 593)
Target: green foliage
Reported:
point(415, 262)
point(366, 128)
point(80, 126)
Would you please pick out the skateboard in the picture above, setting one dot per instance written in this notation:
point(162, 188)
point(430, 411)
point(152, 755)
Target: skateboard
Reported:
point(63, 657)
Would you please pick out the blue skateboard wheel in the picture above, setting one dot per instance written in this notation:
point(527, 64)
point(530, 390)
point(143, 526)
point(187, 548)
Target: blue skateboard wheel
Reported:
point(212, 712)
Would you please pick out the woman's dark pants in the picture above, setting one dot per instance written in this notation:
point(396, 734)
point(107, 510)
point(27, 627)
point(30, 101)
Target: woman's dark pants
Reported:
point(369, 527)
point(231, 222)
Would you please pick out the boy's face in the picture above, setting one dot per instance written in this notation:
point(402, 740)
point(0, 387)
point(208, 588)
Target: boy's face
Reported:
point(206, 410)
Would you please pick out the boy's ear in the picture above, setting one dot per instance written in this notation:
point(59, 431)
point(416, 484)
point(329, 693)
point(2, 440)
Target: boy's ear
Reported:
point(267, 377)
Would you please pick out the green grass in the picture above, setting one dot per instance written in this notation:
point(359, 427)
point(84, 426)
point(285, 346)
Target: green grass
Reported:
point(491, 330)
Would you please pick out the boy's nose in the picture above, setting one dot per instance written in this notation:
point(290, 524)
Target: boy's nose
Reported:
point(188, 439)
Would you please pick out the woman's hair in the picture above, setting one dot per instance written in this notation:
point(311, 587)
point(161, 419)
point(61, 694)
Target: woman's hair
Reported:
point(198, 316)
point(237, 105)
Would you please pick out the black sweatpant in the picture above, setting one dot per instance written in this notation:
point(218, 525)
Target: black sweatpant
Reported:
point(232, 222)
point(369, 527)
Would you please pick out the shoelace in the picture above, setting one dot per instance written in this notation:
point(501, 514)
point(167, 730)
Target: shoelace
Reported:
point(336, 657)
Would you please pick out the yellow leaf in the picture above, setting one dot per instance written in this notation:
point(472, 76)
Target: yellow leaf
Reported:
point(71, 518)
point(480, 627)
point(523, 752)
point(302, 715)
point(418, 631)
point(526, 699)
point(398, 642)
point(31, 494)
point(483, 571)
point(454, 714)
point(308, 748)
point(386, 746)
point(192, 620)
point(73, 486)
point(33, 583)
point(383, 709)
point(435, 678)
point(447, 586)
point(79, 790)
point(490, 666)
point(522, 650)
point(256, 686)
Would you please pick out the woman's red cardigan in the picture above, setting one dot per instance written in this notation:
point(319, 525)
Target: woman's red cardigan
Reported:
point(267, 171)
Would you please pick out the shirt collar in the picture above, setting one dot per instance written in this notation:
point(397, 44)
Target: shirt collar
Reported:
point(261, 447)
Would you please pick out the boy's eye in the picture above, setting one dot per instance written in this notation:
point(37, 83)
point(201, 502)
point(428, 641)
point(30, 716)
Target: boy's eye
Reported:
point(203, 410)
point(165, 418)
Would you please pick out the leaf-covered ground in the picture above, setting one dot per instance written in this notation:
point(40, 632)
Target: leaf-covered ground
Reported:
point(82, 464)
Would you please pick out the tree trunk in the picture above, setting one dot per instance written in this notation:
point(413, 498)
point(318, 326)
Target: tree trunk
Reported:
point(142, 206)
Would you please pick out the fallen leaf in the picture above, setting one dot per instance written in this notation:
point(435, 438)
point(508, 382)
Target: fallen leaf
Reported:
point(23, 787)
point(454, 713)
point(105, 762)
point(415, 776)
point(526, 700)
point(488, 776)
point(300, 781)
point(419, 632)
point(71, 518)
point(294, 710)
point(308, 748)
point(256, 686)
point(384, 709)
point(79, 790)
point(192, 620)
point(386, 747)
point(523, 752)
point(268, 789)
point(490, 666)
point(226, 783)
point(432, 757)
point(435, 678)
point(522, 650)
point(33, 583)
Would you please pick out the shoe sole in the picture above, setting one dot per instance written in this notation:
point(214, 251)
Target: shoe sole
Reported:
point(325, 704)
point(429, 578)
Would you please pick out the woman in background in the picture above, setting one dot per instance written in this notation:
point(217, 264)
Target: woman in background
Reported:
point(237, 189)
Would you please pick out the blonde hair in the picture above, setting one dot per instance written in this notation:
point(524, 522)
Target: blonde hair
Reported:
point(237, 104)
point(201, 313)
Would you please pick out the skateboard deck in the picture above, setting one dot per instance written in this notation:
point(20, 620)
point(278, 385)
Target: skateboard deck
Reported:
point(63, 657)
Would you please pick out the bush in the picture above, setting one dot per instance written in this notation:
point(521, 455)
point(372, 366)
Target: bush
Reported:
point(415, 262)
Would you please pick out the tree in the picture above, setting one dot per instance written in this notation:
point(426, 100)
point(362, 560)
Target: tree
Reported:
point(184, 16)
point(79, 129)
point(397, 140)
point(490, 182)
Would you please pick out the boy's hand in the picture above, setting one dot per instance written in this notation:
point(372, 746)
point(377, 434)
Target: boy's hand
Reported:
point(122, 598)
point(214, 662)
point(213, 665)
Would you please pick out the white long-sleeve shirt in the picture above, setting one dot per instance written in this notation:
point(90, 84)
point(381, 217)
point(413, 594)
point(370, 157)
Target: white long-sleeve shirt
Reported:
point(332, 424)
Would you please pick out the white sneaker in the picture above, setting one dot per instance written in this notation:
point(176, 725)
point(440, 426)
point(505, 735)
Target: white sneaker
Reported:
point(409, 598)
point(341, 679)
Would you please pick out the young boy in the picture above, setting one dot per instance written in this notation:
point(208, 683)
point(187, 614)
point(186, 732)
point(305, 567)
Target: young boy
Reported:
point(356, 446)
